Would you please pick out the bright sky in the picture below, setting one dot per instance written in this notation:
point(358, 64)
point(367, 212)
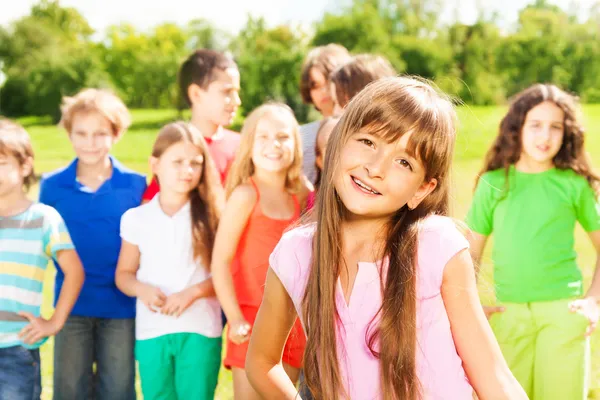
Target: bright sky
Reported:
point(231, 14)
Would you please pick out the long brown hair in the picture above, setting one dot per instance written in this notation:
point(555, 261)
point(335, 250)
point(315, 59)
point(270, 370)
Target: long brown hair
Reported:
point(324, 122)
point(243, 166)
point(390, 108)
point(506, 149)
point(207, 200)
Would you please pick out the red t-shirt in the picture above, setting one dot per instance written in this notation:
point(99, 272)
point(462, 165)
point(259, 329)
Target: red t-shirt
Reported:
point(222, 148)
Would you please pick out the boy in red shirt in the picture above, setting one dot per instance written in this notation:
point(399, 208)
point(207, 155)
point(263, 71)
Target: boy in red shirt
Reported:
point(210, 84)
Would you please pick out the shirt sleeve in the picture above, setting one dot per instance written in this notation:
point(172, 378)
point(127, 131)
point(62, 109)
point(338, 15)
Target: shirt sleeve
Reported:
point(480, 217)
point(290, 260)
point(129, 228)
point(439, 241)
point(56, 235)
point(587, 209)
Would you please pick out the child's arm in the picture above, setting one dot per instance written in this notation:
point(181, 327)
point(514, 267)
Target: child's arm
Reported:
point(274, 322)
point(231, 226)
point(40, 328)
point(588, 306)
point(477, 243)
point(127, 282)
point(483, 361)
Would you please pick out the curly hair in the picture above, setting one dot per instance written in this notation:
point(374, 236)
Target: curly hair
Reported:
point(507, 147)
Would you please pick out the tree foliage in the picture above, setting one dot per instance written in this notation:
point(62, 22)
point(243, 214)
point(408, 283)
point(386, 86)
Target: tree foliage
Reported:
point(53, 52)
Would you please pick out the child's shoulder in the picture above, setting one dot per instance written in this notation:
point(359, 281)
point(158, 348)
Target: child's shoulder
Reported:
point(296, 244)
point(291, 259)
point(127, 173)
point(495, 177)
point(440, 239)
point(45, 213)
point(244, 193)
point(142, 212)
point(438, 230)
point(58, 175)
point(571, 176)
point(310, 128)
point(299, 235)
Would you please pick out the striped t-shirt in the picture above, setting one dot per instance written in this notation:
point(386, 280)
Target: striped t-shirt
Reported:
point(27, 242)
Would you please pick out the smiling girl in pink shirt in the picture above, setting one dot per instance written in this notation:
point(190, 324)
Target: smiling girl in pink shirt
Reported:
point(383, 282)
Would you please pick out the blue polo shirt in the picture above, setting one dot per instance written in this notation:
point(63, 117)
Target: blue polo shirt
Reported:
point(93, 220)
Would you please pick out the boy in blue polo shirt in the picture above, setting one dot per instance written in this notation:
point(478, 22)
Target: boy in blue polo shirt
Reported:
point(91, 194)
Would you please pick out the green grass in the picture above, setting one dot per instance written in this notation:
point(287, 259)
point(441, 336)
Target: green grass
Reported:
point(478, 126)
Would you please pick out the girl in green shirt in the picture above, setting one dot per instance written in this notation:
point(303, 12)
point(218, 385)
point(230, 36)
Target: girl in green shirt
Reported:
point(535, 185)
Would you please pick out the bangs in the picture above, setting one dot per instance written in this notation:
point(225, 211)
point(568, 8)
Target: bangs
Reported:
point(430, 120)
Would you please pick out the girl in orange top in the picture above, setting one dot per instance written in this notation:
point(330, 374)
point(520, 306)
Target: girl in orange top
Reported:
point(266, 191)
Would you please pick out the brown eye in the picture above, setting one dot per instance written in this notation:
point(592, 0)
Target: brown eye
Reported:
point(367, 142)
point(405, 164)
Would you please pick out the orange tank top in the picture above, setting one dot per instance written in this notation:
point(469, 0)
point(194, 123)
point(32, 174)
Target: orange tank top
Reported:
point(251, 262)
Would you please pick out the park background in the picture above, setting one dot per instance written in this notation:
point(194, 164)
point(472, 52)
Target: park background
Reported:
point(52, 51)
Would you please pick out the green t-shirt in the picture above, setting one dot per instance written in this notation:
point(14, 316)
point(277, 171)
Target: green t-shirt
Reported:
point(533, 222)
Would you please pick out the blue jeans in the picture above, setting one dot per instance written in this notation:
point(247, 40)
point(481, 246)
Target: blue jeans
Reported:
point(20, 374)
point(84, 341)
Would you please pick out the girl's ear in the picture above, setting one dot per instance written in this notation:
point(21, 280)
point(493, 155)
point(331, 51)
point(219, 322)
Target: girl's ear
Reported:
point(424, 190)
point(319, 161)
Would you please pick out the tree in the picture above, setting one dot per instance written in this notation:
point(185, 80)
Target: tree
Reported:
point(46, 55)
point(361, 29)
point(270, 60)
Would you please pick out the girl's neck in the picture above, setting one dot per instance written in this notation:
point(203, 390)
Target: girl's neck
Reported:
point(529, 166)
point(364, 237)
point(13, 203)
point(275, 180)
point(171, 202)
point(207, 128)
point(100, 171)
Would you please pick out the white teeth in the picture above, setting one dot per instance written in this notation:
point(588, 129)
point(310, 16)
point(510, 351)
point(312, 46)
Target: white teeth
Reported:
point(362, 185)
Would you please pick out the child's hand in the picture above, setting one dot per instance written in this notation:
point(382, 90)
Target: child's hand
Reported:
point(587, 307)
point(239, 331)
point(491, 310)
point(37, 329)
point(178, 302)
point(152, 297)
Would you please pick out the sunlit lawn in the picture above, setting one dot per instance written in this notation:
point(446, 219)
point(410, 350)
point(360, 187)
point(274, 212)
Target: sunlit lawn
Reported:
point(478, 126)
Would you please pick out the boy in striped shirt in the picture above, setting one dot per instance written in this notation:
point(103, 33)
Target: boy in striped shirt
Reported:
point(31, 235)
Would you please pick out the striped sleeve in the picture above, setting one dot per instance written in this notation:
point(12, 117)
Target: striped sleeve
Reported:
point(56, 236)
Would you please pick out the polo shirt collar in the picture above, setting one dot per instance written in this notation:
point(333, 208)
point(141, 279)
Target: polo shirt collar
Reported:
point(183, 212)
point(69, 176)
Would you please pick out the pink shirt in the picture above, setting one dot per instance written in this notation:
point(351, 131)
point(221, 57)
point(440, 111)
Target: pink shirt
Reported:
point(439, 367)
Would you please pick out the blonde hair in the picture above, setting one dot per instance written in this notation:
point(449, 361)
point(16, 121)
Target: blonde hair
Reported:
point(243, 167)
point(207, 200)
point(15, 141)
point(101, 101)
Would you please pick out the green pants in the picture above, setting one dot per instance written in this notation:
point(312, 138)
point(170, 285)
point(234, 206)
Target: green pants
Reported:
point(545, 348)
point(179, 366)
